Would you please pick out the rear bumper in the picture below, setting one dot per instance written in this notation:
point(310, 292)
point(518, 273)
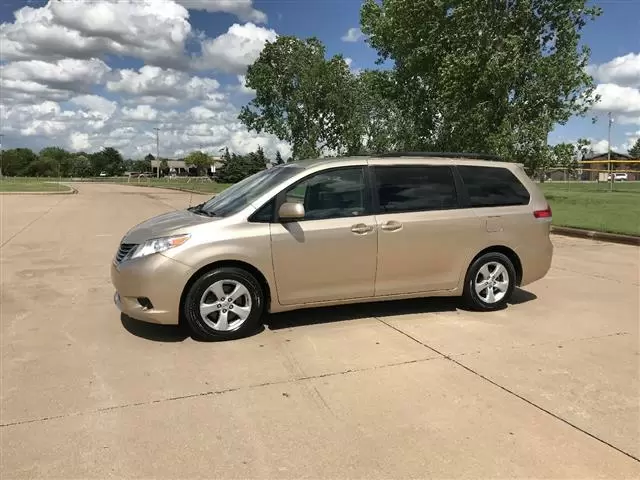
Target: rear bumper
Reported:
point(536, 261)
point(156, 278)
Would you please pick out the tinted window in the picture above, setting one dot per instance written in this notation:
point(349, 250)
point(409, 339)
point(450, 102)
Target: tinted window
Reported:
point(265, 214)
point(493, 187)
point(409, 189)
point(332, 194)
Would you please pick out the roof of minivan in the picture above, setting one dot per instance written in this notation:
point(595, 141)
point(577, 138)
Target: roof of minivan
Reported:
point(388, 159)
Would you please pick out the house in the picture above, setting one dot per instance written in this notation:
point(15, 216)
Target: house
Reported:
point(595, 164)
point(178, 167)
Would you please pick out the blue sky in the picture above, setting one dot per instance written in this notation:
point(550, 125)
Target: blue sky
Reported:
point(84, 74)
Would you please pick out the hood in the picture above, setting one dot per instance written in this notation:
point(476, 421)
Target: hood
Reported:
point(165, 225)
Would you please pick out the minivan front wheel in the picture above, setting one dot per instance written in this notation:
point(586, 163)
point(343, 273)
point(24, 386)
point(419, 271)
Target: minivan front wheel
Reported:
point(224, 303)
point(490, 282)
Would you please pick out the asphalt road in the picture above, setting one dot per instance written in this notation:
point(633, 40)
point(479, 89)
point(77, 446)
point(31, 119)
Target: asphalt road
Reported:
point(547, 388)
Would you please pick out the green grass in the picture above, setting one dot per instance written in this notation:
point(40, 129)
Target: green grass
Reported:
point(592, 206)
point(30, 185)
point(181, 183)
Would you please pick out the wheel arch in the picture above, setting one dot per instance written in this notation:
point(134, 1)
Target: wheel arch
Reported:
point(506, 251)
point(259, 276)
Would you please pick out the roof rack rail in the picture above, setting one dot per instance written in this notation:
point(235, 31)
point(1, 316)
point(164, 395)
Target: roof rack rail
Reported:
point(470, 156)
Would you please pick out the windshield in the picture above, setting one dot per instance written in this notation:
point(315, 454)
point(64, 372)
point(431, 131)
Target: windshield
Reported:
point(238, 196)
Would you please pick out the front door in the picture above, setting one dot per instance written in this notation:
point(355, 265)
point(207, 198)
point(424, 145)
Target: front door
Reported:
point(330, 255)
point(424, 239)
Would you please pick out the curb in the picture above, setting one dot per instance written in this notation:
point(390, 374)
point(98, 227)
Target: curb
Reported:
point(71, 191)
point(595, 235)
point(169, 187)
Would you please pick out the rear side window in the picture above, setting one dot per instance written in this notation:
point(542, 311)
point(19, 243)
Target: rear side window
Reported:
point(493, 187)
point(415, 188)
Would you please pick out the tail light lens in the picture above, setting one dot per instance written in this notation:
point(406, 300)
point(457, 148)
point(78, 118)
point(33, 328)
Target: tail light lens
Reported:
point(546, 213)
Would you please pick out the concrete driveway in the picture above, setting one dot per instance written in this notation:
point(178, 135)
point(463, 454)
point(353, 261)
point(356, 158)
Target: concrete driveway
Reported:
point(547, 388)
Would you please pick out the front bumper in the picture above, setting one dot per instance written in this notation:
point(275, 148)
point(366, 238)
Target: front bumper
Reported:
point(157, 278)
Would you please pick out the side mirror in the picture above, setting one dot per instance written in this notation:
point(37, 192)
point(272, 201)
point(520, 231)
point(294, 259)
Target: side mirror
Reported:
point(290, 212)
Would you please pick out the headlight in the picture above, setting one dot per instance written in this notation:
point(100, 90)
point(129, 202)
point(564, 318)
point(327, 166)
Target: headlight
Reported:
point(157, 245)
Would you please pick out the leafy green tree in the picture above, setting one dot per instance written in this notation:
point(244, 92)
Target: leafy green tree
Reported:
point(635, 150)
point(164, 165)
point(43, 166)
point(60, 157)
point(16, 161)
point(279, 160)
point(379, 123)
point(301, 97)
point(107, 160)
point(485, 76)
point(200, 160)
point(149, 158)
point(239, 167)
point(81, 166)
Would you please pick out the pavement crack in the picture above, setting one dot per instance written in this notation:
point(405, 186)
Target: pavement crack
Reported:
point(211, 393)
point(542, 344)
point(595, 275)
point(66, 197)
point(511, 392)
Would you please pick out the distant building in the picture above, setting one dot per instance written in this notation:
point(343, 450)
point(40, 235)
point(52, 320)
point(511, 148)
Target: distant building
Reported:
point(596, 168)
point(178, 167)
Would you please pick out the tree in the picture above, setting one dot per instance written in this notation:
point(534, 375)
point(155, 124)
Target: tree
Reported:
point(43, 167)
point(81, 166)
point(238, 167)
point(60, 157)
point(301, 97)
point(279, 160)
point(198, 159)
point(379, 123)
point(149, 158)
point(164, 165)
point(485, 76)
point(635, 150)
point(107, 160)
point(16, 161)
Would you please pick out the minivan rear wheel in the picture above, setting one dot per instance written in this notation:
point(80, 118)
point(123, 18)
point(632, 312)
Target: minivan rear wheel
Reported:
point(490, 282)
point(224, 304)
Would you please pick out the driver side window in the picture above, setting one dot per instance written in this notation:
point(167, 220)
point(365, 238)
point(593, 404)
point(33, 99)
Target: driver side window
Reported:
point(333, 194)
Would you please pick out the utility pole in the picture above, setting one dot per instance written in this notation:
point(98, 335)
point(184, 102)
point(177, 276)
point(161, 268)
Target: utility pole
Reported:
point(609, 154)
point(157, 150)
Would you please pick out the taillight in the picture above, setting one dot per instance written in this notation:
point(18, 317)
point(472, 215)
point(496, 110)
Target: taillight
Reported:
point(546, 213)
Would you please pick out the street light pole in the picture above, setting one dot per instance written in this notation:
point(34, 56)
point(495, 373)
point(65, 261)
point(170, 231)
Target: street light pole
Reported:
point(609, 154)
point(157, 150)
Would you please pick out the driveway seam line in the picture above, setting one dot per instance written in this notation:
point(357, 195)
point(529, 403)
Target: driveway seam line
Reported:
point(33, 221)
point(511, 392)
point(214, 392)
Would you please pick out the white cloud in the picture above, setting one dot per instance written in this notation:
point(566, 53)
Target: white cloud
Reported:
point(242, 86)
point(31, 81)
point(623, 71)
point(58, 66)
point(353, 35)
point(79, 141)
point(243, 9)
point(234, 50)
point(140, 113)
point(153, 82)
point(153, 30)
point(599, 146)
point(96, 105)
point(617, 99)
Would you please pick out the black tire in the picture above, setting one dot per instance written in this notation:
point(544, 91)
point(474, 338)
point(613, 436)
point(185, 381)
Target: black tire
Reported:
point(472, 298)
point(191, 306)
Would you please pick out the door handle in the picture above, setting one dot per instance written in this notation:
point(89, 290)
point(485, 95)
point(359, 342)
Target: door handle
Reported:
point(361, 229)
point(391, 226)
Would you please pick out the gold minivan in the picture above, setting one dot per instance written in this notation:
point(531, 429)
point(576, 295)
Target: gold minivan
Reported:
point(336, 231)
